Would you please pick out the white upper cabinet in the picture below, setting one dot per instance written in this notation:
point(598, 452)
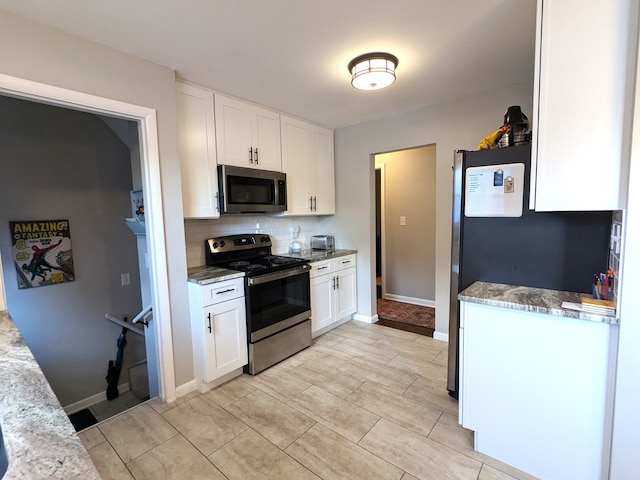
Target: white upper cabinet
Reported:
point(197, 147)
point(581, 90)
point(247, 135)
point(308, 161)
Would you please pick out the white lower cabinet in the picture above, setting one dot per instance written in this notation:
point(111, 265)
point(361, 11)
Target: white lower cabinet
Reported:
point(219, 331)
point(537, 390)
point(333, 292)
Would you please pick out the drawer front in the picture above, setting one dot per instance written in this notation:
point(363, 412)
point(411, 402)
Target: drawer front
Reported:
point(347, 261)
point(221, 291)
point(321, 268)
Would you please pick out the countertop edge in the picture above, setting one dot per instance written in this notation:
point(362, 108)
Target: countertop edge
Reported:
point(530, 299)
point(38, 436)
point(204, 275)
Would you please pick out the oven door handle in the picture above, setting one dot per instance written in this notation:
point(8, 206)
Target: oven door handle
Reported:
point(269, 277)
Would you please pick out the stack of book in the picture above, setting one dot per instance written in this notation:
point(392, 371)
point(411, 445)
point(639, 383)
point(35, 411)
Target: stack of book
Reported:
point(601, 307)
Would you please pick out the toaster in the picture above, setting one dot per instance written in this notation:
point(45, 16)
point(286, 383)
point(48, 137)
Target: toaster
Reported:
point(323, 242)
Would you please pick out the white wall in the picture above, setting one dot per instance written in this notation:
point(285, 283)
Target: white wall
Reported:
point(46, 55)
point(410, 249)
point(450, 126)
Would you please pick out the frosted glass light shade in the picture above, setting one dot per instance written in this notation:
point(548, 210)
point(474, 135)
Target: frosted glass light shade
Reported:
point(373, 71)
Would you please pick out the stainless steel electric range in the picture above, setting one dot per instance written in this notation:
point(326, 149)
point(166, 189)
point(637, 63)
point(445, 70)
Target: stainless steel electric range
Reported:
point(277, 296)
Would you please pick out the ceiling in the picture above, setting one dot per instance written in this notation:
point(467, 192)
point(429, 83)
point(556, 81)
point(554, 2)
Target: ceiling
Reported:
point(292, 55)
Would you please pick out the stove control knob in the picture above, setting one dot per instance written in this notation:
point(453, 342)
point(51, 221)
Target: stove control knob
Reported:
point(215, 245)
point(264, 239)
point(221, 243)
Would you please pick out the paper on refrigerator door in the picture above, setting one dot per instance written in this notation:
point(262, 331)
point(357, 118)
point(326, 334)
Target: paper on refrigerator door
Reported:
point(494, 191)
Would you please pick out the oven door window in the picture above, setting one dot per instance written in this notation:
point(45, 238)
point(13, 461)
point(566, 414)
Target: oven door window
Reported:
point(250, 191)
point(272, 302)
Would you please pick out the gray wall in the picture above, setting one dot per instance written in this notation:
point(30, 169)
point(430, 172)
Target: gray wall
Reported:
point(410, 250)
point(46, 55)
point(63, 164)
point(450, 126)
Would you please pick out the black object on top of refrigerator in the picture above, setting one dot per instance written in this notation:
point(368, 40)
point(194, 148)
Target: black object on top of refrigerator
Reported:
point(554, 250)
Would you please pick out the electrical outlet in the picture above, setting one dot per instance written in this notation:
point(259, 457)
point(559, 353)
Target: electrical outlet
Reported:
point(125, 279)
point(403, 220)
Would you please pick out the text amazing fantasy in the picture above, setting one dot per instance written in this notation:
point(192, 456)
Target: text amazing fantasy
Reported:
point(42, 252)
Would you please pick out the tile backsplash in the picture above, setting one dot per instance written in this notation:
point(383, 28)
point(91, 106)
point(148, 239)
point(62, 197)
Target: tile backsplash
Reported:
point(615, 247)
point(279, 228)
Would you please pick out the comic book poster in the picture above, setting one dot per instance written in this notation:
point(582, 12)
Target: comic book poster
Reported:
point(42, 252)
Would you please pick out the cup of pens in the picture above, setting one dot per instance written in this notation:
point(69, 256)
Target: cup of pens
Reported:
point(603, 286)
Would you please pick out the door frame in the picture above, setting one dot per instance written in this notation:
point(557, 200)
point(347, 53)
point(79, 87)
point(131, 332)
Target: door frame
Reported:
point(383, 255)
point(151, 184)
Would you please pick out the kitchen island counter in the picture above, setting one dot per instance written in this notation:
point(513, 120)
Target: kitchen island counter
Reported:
point(39, 439)
point(529, 299)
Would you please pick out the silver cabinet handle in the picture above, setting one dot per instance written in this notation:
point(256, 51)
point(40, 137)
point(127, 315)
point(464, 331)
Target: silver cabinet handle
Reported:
point(226, 291)
point(333, 283)
point(209, 317)
point(256, 155)
point(323, 267)
point(251, 155)
point(315, 206)
point(337, 282)
point(311, 204)
point(346, 261)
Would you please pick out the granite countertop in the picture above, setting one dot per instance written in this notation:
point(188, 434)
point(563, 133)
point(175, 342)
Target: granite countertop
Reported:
point(317, 255)
point(205, 275)
point(38, 436)
point(539, 300)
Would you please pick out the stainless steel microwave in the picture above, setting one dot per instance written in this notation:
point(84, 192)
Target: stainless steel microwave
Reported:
point(249, 190)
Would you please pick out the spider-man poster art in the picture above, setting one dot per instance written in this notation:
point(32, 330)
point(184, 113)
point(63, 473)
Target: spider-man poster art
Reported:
point(42, 252)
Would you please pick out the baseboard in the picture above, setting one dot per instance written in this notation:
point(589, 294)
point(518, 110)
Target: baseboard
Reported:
point(365, 318)
point(186, 388)
point(92, 400)
point(414, 301)
point(444, 337)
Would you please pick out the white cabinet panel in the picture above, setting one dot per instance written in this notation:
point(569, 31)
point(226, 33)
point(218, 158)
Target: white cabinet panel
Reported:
point(333, 292)
point(218, 331)
point(308, 161)
point(322, 302)
point(247, 135)
point(225, 338)
point(579, 158)
point(198, 166)
point(536, 389)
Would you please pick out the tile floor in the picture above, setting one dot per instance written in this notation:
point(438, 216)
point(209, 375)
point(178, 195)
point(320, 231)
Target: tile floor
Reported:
point(363, 402)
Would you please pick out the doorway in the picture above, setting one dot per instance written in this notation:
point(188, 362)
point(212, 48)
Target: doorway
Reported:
point(405, 237)
point(159, 330)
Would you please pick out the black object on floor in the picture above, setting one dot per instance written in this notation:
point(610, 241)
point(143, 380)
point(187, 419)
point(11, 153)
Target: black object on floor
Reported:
point(82, 419)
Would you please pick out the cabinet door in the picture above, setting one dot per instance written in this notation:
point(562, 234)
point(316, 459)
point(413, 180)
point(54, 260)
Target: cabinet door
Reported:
point(226, 338)
point(579, 105)
point(265, 132)
point(295, 150)
point(322, 171)
point(346, 293)
point(322, 302)
point(198, 166)
point(233, 131)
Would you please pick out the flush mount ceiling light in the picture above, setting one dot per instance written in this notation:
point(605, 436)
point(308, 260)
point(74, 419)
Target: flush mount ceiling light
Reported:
point(373, 71)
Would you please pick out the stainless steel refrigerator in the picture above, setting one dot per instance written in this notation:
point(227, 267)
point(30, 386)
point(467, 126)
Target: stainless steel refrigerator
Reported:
point(555, 250)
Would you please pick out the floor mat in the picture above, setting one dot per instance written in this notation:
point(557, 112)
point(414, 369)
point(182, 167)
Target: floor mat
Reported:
point(82, 419)
point(406, 316)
